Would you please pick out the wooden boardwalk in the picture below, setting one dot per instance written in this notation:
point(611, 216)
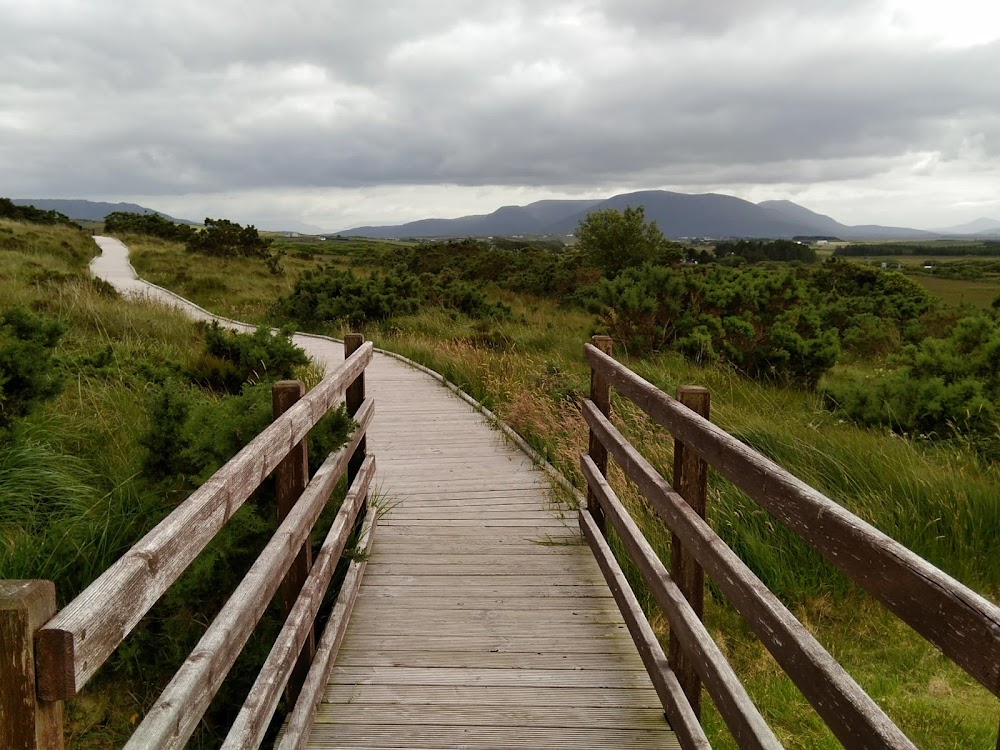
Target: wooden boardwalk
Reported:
point(483, 620)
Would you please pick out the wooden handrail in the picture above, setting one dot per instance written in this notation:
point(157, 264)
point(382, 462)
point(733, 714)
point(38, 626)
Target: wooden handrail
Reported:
point(178, 710)
point(300, 720)
point(738, 711)
point(854, 717)
point(676, 706)
point(252, 721)
point(963, 624)
point(77, 641)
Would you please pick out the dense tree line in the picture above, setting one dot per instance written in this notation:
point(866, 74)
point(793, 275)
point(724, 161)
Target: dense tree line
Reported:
point(882, 249)
point(756, 251)
point(32, 215)
point(153, 225)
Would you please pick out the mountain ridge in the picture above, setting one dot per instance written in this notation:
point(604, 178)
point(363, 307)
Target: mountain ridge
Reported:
point(679, 215)
point(85, 210)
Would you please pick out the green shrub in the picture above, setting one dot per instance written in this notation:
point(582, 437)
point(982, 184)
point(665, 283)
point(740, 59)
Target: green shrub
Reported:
point(153, 225)
point(28, 372)
point(328, 295)
point(760, 321)
point(942, 387)
point(756, 251)
point(227, 239)
point(231, 359)
point(32, 215)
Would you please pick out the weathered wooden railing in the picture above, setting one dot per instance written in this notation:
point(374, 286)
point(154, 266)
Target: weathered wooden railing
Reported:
point(962, 624)
point(47, 657)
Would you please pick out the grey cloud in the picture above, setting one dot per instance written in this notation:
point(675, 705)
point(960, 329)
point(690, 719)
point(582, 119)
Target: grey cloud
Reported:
point(118, 98)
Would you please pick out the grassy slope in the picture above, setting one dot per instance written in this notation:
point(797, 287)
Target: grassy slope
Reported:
point(940, 502)
point(70, 499)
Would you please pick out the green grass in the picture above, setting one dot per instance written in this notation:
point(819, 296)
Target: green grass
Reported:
point(941, 501)
point(960, 291)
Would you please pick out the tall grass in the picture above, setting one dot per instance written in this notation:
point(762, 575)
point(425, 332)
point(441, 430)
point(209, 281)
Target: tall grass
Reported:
point(941, 501)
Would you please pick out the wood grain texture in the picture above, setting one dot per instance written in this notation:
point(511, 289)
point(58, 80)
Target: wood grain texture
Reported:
point(731, 699)
point(691, 483)
point(600, 394)
point(963, 624)
point(176, 713)
point(92, 626)
point(483, 617)
point(296, 732)
point(291, 478)
point(856, 720)
point(676, 705)
point(252, 721)
point(25, 722)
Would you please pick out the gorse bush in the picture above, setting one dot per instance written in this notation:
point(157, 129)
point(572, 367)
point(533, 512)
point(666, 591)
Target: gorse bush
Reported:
point(153, 225)
point(873, 310)
point(28, 372)
point(757, 251)
point(227, 239)
point(329, 295)
point(231, 359)
point(942, 387)
point(32, 215)
point(760, 321)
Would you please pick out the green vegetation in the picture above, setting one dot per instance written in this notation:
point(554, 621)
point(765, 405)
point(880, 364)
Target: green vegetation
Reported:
point(932, 487)
point(154, 225)
point(227, 239)
point(758, 251)
point(614, 240)
point(109, 422)
point(32, 215)
point(938, 248)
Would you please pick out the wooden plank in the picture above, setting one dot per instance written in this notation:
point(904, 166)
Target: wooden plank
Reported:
point(424, 695)
point(474, 738)
point(81, 637)
point(569, 717)
point(291, 478)
point(255, 715)
point(600, 394)
point(856, 720)
point(963, 624)
point(678, 709)
point(737, 710)
point(178, 710)
point(395, 604)
point(487, 588)
point(491, 660)
point(496, 677)
point(25, 722)
point(608, 643)
point(371, 617)
point(300, 720)
point(691, 483)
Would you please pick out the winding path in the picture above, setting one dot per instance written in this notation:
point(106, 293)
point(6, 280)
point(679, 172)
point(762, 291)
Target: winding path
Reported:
point(482, 620)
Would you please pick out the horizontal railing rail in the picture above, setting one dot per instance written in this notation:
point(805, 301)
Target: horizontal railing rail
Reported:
point(63, 650)
point(962, 623)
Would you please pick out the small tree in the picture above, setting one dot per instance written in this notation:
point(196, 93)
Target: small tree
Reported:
point(227, 239)
point(614, 240)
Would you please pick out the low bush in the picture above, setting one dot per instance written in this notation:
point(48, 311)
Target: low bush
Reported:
point(942, 387)
point(153, 225)
point(227, 239)
point(232, 359)
point(760, 321)
point(329, 295)
point(28, 372)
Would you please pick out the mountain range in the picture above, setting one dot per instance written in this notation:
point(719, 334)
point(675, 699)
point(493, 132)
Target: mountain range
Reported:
point(83, 210)
point(677, 214)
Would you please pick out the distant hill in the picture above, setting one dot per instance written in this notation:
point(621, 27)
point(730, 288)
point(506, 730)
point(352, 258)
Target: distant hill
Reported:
point(535, 218)
point(678, 215)
point(89, 210)
point(977, 226)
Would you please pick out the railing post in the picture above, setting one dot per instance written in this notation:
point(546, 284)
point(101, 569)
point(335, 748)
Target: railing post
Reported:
point(691, 482)
point(354, 397)
point(26, 723)
point(600, 394)
point(292, 477)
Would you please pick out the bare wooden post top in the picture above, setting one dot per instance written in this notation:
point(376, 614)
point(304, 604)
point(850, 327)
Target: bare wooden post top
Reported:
point(600, 394)
point(691, 483)
point(292, 476)
point(25, 722)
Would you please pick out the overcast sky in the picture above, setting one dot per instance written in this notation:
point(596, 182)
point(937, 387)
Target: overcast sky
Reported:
point(338, 114)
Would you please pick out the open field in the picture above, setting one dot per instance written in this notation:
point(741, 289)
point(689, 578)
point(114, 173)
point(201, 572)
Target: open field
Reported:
point(979, 294)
